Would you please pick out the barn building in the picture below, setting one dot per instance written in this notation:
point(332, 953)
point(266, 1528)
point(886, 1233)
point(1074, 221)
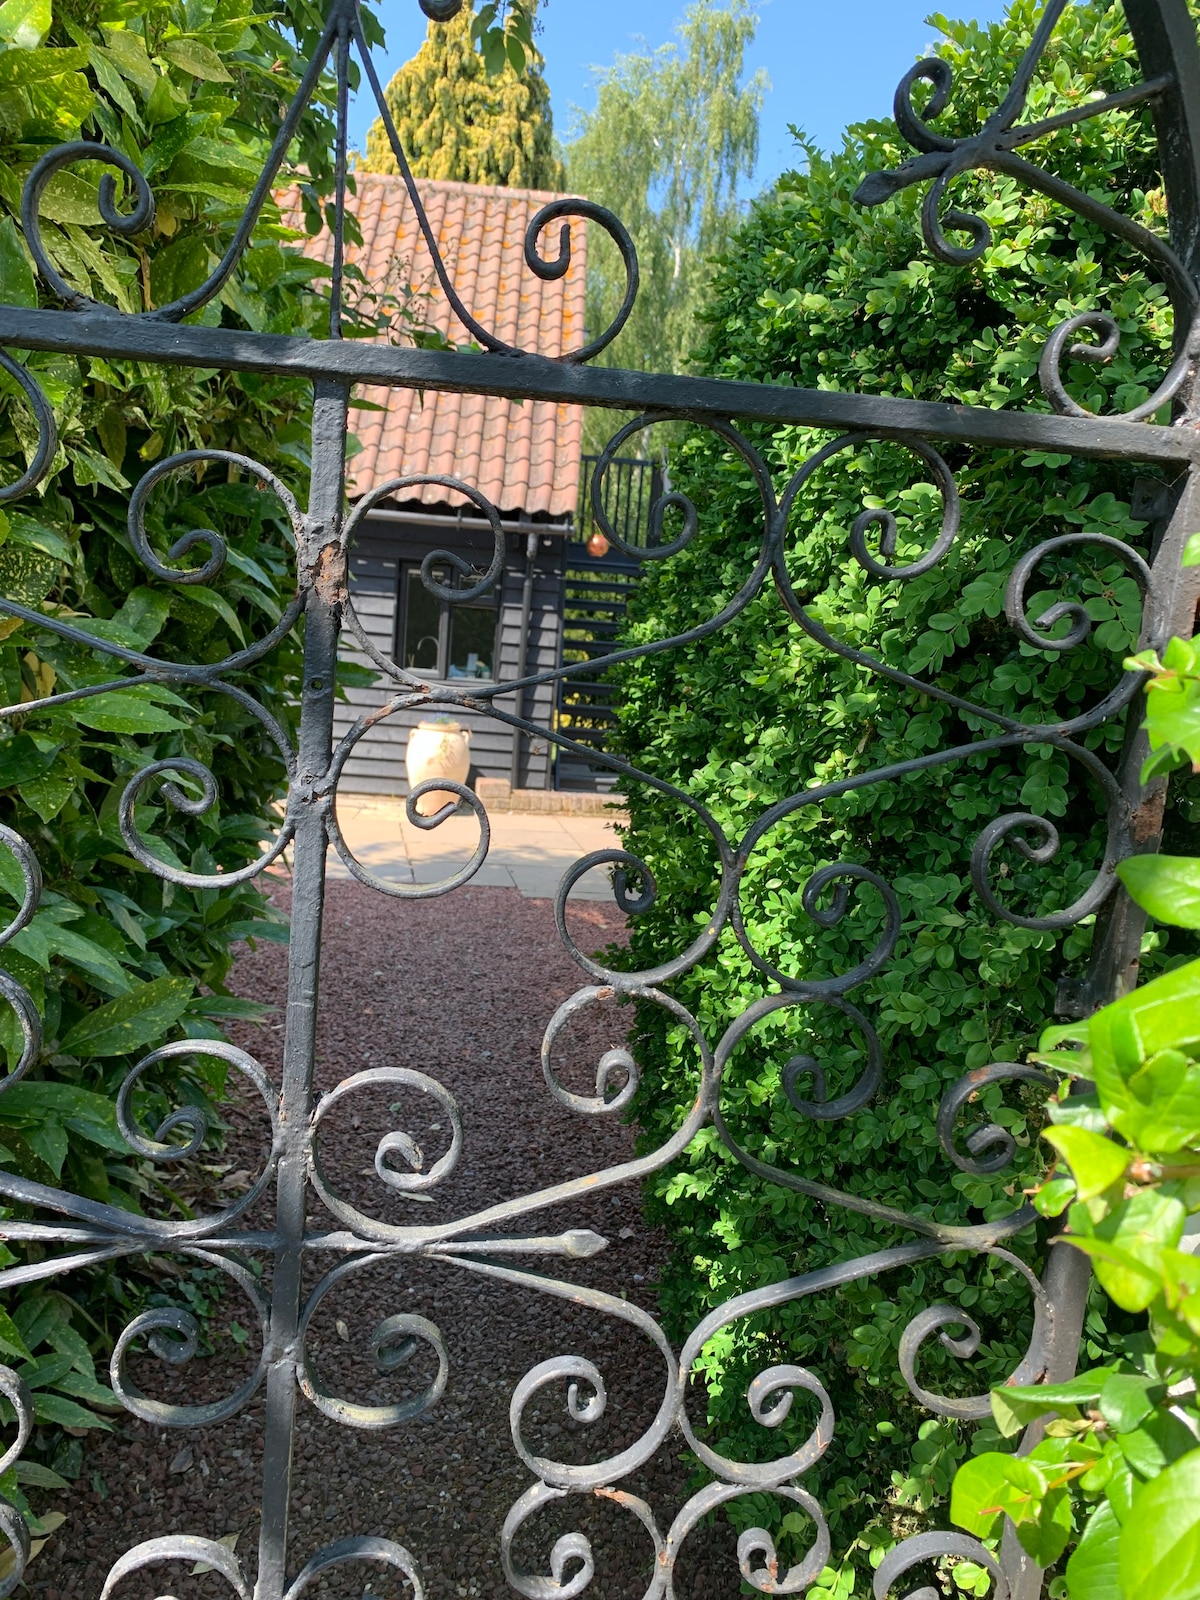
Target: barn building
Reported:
point(526, 458)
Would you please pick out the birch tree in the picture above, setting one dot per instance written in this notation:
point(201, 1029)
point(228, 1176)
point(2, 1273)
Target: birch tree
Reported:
point(673, 134)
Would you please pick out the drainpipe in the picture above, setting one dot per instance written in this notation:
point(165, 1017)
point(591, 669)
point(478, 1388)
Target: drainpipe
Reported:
point(531, 541)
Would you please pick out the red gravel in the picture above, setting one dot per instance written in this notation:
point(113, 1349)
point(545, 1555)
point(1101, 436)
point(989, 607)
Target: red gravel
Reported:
point(459, 988)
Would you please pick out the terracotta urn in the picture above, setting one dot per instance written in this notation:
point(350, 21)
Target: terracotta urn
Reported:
point(437, 750)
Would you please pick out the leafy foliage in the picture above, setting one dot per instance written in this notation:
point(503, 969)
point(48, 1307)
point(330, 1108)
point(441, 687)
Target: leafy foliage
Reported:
point(818, 293)
point(472, 117)
point(672, 135)
point(1116, 1480)
point(116, 959)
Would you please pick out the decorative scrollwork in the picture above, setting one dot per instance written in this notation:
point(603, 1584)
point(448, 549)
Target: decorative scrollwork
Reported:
point(770, 1397)
point(47, 430)
point(654, 549)
point(193, 1120)
point(335, 31)
point(941, 1318)
point(1018, 828)
point(215, 564)
point(547, 270)
point(617, 1074)
point(571, 1548)
point(395, 1341)
point(348, 1552)
point(12, 1524)
point(1037, 633)
point(1063, 344)
point(173, 1335)
point(394, 488)
point(881, 518)
point(31, 874)
point(994, 148)
point(625, 866)
point(460, 791)
point(585, 1407)
point(758, 1561)
point(885, 521)
point(414, 1184)
point(834, 899)
point(840, 875)
point(127, 226)
point(26, 1012)
point(925, 1547)
point(179, 1547)
point(190, 806)
point(990, 1136)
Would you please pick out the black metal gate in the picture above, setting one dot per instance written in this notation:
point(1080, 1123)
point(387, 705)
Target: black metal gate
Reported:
point(70, 1231)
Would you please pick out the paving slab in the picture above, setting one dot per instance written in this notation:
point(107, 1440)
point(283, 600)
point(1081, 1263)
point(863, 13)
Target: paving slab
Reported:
point(527, 852)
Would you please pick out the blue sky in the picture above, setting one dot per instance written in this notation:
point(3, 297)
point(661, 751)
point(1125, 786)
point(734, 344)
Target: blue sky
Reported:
point(829, 61)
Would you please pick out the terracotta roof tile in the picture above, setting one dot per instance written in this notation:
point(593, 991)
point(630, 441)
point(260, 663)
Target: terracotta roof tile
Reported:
point(524, 458)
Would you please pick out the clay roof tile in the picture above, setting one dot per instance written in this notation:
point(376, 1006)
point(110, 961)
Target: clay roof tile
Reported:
point(523, 457)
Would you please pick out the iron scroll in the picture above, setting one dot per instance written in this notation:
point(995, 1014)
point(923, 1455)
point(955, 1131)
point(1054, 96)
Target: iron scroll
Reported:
point(503, 1242)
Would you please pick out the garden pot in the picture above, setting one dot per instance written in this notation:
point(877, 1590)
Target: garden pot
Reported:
point(437, 750)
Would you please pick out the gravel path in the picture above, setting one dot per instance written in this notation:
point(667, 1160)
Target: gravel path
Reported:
point(461, 989)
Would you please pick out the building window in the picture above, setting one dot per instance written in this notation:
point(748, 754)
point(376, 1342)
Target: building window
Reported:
point(441, 640)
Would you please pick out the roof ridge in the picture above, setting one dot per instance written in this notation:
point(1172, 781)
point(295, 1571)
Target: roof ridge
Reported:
point(457, 186)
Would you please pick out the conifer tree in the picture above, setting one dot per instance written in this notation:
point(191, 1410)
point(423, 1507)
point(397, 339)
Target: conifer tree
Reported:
point(455, 121)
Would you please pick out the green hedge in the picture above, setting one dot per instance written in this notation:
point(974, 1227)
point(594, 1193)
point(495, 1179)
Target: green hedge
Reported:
point(818, 292)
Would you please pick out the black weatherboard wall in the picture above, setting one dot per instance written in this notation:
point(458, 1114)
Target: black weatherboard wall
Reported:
point(383, 562)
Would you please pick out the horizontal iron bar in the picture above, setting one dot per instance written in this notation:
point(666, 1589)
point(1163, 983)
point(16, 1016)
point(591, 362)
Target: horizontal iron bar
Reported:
point(537, 378)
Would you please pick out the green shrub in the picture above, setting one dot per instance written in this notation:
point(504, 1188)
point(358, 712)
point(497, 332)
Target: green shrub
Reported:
point(116, 960)
point(1112, 1485)
point(816, 292)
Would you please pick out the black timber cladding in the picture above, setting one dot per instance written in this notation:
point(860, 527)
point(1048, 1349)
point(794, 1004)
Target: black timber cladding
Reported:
point(381, 550)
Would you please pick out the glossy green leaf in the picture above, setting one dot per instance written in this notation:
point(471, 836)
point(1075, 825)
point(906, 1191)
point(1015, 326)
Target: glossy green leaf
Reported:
point(123, 711)
point(17, 286)
point(127, 51)
point(1015, 1406)
point(24, 23)
point(1092, 1572)
point(1160, 1542)
point(1096, 1162)
point(1163, 1114)
point(1168, 887)
point(197, 58)
point(1163, 1014)
point(1127, 1246)
point(993, 1484)
point(139, 1018)
point(67, 1413)
point(11, 1342)
point(49, 1141)
point(1125, 1399)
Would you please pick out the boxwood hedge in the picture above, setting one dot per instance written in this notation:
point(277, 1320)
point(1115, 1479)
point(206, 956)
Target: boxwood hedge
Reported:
point(817, 291)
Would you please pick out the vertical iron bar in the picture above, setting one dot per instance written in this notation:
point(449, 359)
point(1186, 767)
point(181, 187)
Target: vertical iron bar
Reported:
point(342, 59)
point(1116, 955)
point(321, 565)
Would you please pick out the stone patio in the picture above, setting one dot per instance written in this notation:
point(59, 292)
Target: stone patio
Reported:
point(528, 852)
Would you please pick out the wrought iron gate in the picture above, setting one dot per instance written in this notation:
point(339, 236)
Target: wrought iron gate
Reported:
point(78, 1232)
